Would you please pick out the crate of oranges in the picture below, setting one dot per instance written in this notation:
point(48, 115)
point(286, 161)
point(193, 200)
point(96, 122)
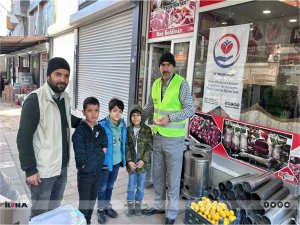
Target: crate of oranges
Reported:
point(205, 211)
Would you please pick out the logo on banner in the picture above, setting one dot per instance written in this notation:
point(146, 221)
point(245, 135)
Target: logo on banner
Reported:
point(227, 50)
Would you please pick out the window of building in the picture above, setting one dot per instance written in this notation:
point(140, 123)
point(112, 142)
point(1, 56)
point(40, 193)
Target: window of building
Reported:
point(271, 84)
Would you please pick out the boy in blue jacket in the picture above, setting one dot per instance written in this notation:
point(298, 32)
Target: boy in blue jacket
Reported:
point(115, 128)
point(89, 143)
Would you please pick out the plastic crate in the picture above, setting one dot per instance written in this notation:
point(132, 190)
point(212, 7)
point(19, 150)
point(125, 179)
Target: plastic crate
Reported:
point(66, 214)
point(191, 217)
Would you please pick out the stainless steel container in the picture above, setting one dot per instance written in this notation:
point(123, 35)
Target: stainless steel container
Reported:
point(196, 173)
point(201, 147)
point(208, 150)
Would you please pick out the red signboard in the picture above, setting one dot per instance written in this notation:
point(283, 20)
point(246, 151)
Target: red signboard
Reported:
point(171, 17)
point(254, 146)
point(209, 2)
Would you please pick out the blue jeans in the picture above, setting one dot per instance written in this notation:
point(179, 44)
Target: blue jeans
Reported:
point(107, 181)
point(136, 183)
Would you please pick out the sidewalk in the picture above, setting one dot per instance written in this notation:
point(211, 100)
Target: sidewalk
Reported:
point(10, 165)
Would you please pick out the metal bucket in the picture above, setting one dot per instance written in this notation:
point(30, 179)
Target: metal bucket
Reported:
point(196, 173)
point(208, 150)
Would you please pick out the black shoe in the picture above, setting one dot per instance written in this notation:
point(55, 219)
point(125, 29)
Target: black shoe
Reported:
point(169, 221)
point(151, 211)
point(111, 212)
point(101, 216)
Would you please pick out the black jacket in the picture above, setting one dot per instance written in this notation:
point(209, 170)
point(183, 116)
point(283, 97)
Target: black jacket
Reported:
point(88, 146)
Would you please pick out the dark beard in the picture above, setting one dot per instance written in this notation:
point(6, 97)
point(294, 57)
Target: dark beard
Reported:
point(55, 88)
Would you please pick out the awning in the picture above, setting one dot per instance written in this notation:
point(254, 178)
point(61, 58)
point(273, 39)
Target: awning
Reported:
point(10, 44)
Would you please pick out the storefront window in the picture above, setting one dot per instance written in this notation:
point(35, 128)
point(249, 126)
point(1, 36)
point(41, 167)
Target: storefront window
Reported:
point(271, 82)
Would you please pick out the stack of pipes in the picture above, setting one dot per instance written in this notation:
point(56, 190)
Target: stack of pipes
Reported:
point(261, 198)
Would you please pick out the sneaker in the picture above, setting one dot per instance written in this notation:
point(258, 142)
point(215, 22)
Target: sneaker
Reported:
point(130, 210)
point(101, 216)
point(138, 208)
point(111, 212)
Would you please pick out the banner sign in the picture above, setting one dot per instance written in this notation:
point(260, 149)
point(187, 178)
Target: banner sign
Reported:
point(171, 17)
point(227, 52)
point(258, 147)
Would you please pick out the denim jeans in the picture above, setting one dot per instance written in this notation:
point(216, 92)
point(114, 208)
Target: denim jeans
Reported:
point(48, 194)
point(106, 185)
point(136, 183)
point(88, 189)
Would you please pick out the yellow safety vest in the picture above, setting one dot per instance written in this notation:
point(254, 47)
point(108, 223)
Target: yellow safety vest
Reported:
point(170, 104)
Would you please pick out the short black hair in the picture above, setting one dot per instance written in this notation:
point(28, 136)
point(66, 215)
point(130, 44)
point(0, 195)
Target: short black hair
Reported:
point(115, 102)
point(90, 101)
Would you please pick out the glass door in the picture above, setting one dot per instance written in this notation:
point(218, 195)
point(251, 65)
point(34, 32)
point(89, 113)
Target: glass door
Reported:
point(156, 51)
point(181, 50)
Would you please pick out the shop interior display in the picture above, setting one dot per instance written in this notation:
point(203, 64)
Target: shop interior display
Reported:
point(24, 85)
point(271, 82)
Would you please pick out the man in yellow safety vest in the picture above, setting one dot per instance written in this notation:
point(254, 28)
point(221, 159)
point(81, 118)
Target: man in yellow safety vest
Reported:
point(172, 103)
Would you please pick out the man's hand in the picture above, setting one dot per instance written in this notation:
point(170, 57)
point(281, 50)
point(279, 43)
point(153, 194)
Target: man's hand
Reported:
point(34, 179)
point(139, 164)
point(131, 165)
point(162, 121)
point(104, 150)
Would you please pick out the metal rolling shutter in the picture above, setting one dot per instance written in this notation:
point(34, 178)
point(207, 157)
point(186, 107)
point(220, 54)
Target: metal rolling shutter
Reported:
point(63, 46)
point(104, 61)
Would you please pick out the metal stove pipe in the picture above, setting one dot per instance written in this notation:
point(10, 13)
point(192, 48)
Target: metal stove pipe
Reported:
point(277, 196)
point(277, 215)
point(230, 184)
point(267, 190)
point(231, 195)
point(252, 184)
point(216, 192)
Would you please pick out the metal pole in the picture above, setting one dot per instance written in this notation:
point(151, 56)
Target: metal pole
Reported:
point(298, 205)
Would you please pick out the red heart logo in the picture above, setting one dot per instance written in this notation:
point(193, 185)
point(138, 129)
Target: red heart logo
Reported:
point(226, 47)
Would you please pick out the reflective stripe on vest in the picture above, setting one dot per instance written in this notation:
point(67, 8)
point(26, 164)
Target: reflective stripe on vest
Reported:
point(170, 104)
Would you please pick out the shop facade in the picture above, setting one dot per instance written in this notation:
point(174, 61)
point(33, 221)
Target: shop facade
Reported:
point(243, 70)
point(106, 52)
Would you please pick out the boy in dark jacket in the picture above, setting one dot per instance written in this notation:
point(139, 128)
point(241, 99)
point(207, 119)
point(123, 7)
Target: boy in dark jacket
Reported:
point(90, 144)
point(138, 159)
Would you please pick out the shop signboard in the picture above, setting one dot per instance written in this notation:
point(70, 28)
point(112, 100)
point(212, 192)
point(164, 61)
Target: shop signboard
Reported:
point(171, 17)
point(255, 146)
point(226, 58)
point(209, 2)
